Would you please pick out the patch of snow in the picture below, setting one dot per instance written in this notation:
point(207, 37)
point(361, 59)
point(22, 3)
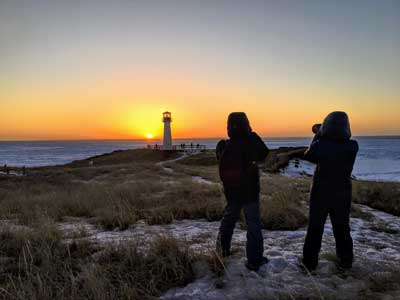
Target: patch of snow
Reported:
point(13, 173)
point(168, 170)
point(12, 224)
point(298, 167)
point(199, 179)
point(184, 155)
point(286, 244)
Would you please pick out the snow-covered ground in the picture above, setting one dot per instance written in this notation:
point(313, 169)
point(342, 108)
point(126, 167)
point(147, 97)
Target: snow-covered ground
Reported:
point(376, 246)
point(375, 251)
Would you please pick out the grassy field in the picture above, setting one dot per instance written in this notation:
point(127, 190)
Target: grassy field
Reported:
point(38, 265)
point(115, 191)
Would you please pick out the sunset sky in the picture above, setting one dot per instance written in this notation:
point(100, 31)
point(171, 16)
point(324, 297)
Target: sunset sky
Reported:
point(108, 69)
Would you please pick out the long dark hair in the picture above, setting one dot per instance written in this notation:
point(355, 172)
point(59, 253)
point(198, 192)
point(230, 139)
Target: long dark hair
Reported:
point(238, 125)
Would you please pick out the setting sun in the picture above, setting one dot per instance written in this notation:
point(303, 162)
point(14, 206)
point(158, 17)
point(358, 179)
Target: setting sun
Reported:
point(105, 78)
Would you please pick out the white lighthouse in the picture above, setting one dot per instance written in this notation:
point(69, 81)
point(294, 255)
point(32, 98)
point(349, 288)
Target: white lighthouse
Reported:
point(167, 119)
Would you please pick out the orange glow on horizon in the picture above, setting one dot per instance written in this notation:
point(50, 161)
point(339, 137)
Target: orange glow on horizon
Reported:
point(109, 71)
point(131, 109)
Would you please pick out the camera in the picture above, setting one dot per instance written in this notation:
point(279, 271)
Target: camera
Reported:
point(315, 128)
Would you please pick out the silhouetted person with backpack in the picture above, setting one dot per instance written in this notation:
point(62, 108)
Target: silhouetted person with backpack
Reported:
point(334, 153)
point(238, 169)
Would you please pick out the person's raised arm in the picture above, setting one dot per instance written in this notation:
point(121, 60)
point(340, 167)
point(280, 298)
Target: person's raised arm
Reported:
point(311, 154)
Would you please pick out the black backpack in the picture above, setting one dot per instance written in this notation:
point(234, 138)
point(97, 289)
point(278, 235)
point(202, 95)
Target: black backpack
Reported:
point(236, 166)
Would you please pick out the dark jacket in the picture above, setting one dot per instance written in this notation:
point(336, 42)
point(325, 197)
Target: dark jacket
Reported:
point(334, 160)
point(334, 153)
point(254, 151)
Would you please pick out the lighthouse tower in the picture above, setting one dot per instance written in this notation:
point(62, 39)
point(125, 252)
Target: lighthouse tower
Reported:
point(167, 119)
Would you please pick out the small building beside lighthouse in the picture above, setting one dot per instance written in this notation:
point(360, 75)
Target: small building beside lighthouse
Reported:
point(167, 140)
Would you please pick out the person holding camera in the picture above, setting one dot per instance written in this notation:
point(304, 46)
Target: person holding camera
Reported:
point(334, 154)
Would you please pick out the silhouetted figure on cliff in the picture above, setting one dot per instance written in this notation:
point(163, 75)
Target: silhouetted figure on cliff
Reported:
point(334, 153)
point(238, 168)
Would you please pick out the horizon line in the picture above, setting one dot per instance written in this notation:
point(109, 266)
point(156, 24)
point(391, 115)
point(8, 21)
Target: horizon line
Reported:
point(183, 138)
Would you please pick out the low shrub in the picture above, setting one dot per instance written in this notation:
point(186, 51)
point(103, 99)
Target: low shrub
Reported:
point(280, 212)
point(383, 196)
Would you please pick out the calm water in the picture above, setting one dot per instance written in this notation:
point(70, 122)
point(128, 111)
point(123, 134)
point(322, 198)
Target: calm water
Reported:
point(378, 158)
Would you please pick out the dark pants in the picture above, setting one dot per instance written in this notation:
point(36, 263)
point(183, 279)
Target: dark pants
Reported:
point(337, 206)
point(236, 200)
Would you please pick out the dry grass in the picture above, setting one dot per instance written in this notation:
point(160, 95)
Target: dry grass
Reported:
point(217, 263)
point(357, 212)
point(207, 158)
point(382, 227)
point(283, 202)
point(117, 191)
point(126, 157)
point(383, 196)
point(36, 264)
point(280, 213)
point(115, 194)
point(118, 205)
point(380, 284)
point(208, 172)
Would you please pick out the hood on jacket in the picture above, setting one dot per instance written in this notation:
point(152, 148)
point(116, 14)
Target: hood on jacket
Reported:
point(336, 126)
point(238, 125)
